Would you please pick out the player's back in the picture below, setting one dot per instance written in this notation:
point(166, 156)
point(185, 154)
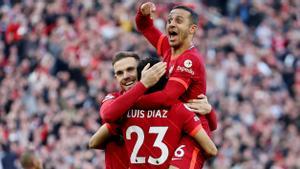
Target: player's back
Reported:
point(152, 135)
point(116, 154)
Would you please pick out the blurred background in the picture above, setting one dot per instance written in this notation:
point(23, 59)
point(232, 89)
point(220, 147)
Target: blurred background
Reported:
point(55, 68)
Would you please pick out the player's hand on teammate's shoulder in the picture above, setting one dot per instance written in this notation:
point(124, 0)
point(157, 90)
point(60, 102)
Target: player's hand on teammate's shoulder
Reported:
point(199, 105)
point(148, 8)
point(151, 75)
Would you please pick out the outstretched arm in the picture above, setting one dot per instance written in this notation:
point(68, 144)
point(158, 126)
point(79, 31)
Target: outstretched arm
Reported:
point(144, 23)
point(114, 108)
point(164, 98)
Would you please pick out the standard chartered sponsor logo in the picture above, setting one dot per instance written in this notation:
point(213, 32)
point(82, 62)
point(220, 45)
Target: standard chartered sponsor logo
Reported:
point(184, 69)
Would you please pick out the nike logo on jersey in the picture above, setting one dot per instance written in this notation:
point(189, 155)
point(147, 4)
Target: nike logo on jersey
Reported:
point(171, 69)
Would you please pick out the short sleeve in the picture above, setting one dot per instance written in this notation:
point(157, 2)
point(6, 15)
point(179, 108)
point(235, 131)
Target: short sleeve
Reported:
point(192, 123)
point(186, 66)
point(112, 128)
point(185, 70)
point(109, 97)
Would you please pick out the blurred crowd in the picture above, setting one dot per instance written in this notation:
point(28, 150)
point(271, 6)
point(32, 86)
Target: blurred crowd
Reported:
point(55, 68)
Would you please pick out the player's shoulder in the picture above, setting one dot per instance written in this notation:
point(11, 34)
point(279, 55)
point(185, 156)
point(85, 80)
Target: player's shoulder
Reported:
point(191, 57)
point(180, 107)
point(111, 96)
point(194, 53)
point(183, 111)
point(190, 63)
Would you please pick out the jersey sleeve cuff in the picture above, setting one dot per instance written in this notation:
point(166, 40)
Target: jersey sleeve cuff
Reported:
point(195, 130)
point(112, 128)
point(140, 86)
point(185, 85)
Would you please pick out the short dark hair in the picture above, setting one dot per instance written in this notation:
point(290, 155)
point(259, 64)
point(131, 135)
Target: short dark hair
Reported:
point(162, 81)
point(125, 54)
point(194, 16)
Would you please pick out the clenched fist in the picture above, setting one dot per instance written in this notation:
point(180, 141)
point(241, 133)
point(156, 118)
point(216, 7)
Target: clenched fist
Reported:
point(148, 8)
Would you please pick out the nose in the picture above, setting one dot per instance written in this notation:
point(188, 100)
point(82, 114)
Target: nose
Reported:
point(126, 75)
point(171, 26)
point(172, 23)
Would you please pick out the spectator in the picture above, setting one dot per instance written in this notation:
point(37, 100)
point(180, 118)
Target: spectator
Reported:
point(30, 161)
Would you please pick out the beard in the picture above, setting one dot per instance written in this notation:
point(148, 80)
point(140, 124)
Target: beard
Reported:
point(180, 40)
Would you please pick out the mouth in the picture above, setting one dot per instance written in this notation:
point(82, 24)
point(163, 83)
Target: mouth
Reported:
point(129, 83)
point(172, 35)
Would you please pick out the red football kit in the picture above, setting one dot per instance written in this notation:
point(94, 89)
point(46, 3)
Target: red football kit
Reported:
point(112, 109)
point(116, 155)
point(151, 136)
point(115, 152)
point(187, 80)
point(187, 77)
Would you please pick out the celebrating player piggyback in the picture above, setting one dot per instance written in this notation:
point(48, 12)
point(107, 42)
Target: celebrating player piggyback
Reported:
point(186, 70)
point(152, 135)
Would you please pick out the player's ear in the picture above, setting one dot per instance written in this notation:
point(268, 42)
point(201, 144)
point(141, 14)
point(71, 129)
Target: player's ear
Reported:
point(193, 28)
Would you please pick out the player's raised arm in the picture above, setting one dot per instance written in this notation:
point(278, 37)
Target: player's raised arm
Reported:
point(148, 9)
point(144, 23)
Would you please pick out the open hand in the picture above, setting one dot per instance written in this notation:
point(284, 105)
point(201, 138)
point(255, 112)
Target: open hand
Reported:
point(151, 75)
point(199, 105)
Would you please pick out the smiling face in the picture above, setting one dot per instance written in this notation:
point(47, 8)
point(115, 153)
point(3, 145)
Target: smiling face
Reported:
point(180, 28)
point(125, 72)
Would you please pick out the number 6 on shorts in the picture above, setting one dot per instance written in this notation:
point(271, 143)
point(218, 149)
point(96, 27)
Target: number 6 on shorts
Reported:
point(179, 152)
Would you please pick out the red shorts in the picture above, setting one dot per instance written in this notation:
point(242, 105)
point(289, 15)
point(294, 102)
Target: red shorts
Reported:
point(188, 155)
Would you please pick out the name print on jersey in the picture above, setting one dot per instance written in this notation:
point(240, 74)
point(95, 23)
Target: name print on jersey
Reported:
point(136, 113)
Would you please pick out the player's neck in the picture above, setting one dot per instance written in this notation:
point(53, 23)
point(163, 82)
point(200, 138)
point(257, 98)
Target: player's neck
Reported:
point(178, 51)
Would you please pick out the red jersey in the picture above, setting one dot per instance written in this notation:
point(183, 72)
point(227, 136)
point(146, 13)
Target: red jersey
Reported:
point(113, 107)
point(151, 136)
point(116, 155)
point(186, 70)
point(115, 152)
